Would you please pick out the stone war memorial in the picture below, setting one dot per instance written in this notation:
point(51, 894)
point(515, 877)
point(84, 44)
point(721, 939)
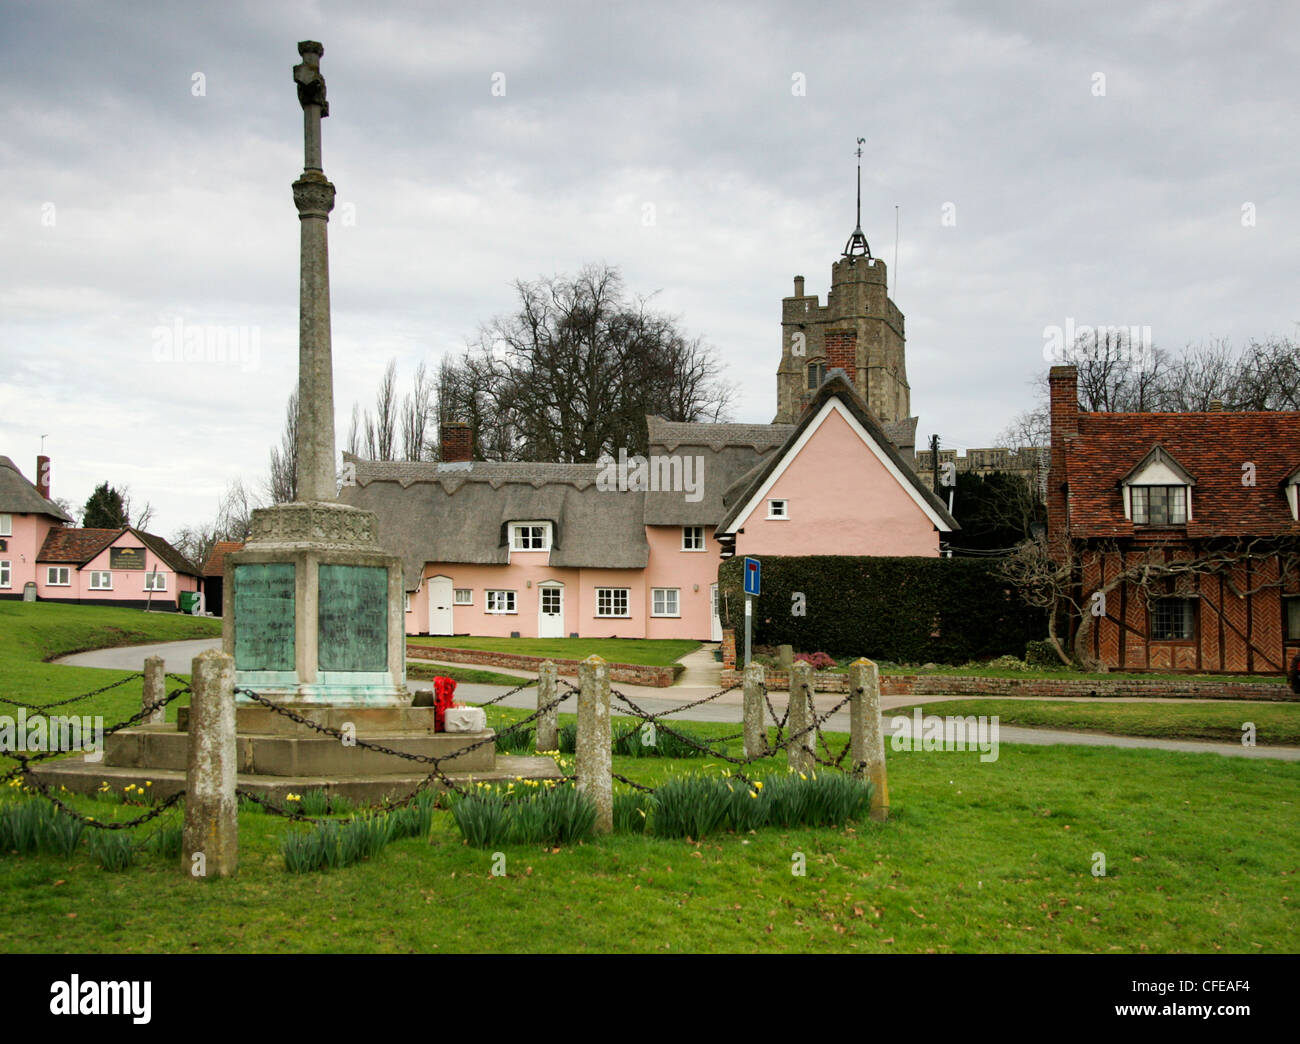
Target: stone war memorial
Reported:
point(310, 690)
point(316, 604)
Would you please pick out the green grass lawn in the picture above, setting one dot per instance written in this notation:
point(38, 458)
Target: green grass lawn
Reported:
point(417, 669)
point(1200, 850)
point(1277, 724)
point(646, 651)
point(33, 632)
point(1201, 855)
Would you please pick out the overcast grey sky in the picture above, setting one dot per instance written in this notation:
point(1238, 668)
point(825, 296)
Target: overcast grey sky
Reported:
point(130, 200)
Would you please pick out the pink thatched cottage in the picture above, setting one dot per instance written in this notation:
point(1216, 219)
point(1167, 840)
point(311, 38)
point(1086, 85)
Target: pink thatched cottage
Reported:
point(630, 548)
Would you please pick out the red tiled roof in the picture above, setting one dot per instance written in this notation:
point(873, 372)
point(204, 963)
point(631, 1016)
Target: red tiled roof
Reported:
point(79, 546)
point(76, 546)
point(1211, 446)
point(216, 563)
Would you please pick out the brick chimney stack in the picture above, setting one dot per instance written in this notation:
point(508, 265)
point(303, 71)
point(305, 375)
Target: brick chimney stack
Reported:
point(457, 442)
point(1216, 405)
point(1063, 381)
point(43, 476)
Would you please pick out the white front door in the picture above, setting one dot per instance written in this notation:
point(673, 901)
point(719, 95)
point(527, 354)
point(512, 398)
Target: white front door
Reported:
point(550, 611)
point(715, 633)
point(440, 605)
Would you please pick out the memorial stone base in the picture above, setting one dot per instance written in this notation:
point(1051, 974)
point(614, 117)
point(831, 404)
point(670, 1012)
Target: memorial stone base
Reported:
point(314, 609)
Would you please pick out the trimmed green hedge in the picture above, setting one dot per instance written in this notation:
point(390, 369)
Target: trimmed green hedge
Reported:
point(903, 610)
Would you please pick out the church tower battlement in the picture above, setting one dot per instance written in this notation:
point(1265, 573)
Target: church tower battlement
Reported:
point(859, 330)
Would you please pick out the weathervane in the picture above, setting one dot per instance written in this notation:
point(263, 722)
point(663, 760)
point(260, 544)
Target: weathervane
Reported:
point(857, 247)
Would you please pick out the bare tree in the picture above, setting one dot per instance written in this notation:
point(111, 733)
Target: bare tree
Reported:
point(232, 522)
point(417, 409)
point(282, 483)
point(139, 518)
point(574, 370)
point(381, 426)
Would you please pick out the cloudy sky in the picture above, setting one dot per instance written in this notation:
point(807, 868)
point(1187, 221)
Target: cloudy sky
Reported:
point(1116, 163)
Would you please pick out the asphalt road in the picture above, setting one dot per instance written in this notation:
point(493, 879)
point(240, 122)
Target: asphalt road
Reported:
point(726, 708)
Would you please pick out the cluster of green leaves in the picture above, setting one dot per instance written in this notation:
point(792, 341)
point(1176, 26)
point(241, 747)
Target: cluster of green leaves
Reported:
point(695, 805)
point(905, 610)
point(331, 844)
point(491, 815)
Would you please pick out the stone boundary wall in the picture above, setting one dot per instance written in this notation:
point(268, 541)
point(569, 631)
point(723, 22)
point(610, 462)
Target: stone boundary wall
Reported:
point(966, 685)
point(632, 673)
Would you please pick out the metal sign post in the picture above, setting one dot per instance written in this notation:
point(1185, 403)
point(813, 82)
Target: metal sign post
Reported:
point(753, 577)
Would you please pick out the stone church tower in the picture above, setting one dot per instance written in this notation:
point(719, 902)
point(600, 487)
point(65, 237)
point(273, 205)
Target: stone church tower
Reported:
point(859, 330)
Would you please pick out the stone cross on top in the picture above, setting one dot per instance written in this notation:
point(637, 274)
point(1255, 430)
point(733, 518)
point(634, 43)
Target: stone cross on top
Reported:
point(311, 96)
point(314, 197)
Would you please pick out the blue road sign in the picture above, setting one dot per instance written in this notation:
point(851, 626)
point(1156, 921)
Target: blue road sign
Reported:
point(752, 575)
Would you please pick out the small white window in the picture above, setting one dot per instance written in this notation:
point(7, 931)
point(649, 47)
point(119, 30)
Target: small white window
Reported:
point(6, 574)
point(463, 596)
point(612, 601)
point(777, 509)
point(155, 581)
point(664, 601)
point(6, 525)
point(500, 601)
point(530, 536)
point(101, 580)
point(692, 538)
point(57, 576)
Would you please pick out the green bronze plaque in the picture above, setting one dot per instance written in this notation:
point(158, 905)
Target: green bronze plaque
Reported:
point(264, 617)
point(353, 617)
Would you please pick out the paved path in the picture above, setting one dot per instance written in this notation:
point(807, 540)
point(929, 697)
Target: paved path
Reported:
point(726, 708)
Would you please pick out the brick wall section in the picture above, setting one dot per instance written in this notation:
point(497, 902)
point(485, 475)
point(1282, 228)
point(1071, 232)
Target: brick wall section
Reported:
point(1063, 382)
point(457, 442)
point(634, 674)
point(728, 647)
point(950, 685)
point(842, 353)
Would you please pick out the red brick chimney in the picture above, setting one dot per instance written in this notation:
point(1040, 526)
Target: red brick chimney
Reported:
point(43, 476)
point(1063, 381)
point(457, 442)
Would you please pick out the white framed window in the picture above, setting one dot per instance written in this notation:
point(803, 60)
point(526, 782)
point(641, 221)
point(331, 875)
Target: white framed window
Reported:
point(665, 601)
point(6, 525)
point(406, 601)
point(778, 509)
point(530, 536)
point(155, 581)
point(463, 596)
point(6, 574)
point(500, 601)
point(101, 580)
point(57, 576)
point(612, 601)
point(1159, 505)
point(692, 538)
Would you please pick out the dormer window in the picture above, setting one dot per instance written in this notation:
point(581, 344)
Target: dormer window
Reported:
point(530, 536)
point(1293, 495)
point(1158, 492)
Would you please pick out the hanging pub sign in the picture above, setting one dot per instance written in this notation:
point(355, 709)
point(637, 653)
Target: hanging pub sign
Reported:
point(126, 558)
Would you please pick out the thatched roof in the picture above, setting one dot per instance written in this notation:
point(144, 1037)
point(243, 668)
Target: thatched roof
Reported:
point(19, 497)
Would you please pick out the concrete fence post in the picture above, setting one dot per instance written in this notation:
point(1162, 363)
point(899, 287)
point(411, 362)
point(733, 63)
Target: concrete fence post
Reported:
point(548, 722)
point(799, 751)
point(866, 736)
point(210, 841)
point(755, 722)
point(155, 688)
point(594, 761)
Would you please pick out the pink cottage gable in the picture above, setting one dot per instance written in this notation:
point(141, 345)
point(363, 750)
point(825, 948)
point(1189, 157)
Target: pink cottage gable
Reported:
point(837, 487)
point(553, 550)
